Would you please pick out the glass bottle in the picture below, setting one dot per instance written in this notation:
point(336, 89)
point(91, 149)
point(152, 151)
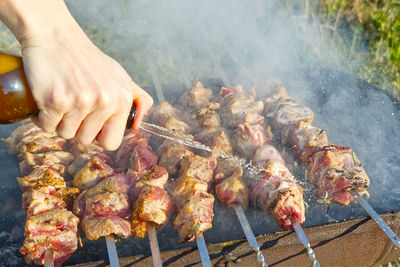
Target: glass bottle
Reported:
point(16, 100)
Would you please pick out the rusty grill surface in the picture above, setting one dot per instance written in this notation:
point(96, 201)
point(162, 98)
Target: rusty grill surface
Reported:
point(354, 113)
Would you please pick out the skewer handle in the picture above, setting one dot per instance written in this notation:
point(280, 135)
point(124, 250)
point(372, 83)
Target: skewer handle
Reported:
point(201, 245)
point(49, 258)
point(249, 234)
point(155, 250)
point(304, 240)
point(381, 223)
point(112, 251)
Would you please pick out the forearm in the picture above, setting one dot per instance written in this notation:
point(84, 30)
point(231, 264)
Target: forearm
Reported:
point(27, 18)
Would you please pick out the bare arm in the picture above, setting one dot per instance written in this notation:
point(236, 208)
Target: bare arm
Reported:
point(80, 91)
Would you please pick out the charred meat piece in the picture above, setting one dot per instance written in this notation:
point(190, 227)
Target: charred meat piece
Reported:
point(280, 196)
point(48, 159)
point(64, 244)
point(51, 222)
point(194, 216)
point(197, 97)
point(155, 177)
point(305, 141)
point(205, 118)
point(226, 169)
point(234, 107)
point(107, 203)
point(288, 113)
point(96, 227)
point(54, 229)
point(25, 129)
point(42, 176)
point(95, 170)
point(78, 148)
point(153, 204)
point(232, 191)
point(163, 112)
point(35, 202)
point(142, 158)
point(129, 142)
point(248, 138)
point(216, 139)
point(336, 172)
point(118, 184)
point(267, 153)
point(170, 155)
point(185, 187)
point(41, 141)
point(198, 167)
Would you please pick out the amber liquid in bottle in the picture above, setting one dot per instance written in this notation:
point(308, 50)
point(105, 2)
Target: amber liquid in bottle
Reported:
point(16, 100)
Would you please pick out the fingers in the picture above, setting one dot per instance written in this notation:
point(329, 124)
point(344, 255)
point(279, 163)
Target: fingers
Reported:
point(143, 103)
point(91, 126)
point(112, 132)
point(48, 120)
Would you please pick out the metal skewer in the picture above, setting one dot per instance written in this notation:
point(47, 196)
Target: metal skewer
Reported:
point(304, 240)
point(201, 245)
point(381, 223)
point(249, 234)
point(49, 258)
point(155, 250)
point(112, 251)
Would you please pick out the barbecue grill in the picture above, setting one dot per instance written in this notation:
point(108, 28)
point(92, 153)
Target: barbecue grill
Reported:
point(353, 112)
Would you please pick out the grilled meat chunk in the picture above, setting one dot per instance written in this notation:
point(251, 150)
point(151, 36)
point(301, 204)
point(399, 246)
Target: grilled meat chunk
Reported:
point(184, 187)
point(142, 158)
point(305, 141)
point(197, 97)
point(267, 153)
point(170, 156)
point(216, 139)
point(287, 114)
point(129, 142)
point(278, 193)
point(64, 244)
point(336, 172)
point(248, 138)
point(48, 159)
point(194, 216)
point(232, 191)
point(155, 177)
point(110, 194)
point(96, 227)
point(95, 170)
point(25, 129)
point(234, 107)
point(35, 202)
point(198, 167)
point(41, 141)
point(51, 222)
point(153, 204)
point(78, 148)
point(42, 176)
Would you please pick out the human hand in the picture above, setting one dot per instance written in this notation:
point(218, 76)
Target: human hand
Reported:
point(80, 91)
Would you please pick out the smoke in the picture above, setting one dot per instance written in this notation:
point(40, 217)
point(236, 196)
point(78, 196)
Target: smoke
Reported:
point(242, 41)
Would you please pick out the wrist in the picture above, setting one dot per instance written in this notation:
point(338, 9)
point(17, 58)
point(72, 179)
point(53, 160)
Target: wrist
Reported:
point(29, 19)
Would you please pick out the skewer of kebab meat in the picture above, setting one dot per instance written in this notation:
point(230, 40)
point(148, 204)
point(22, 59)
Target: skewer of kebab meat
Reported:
point(335, 171)
point(103, 205)
point(227, 180)
point(274, 189)
point(51, 230)
point(151, 203)
point(190, 190)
